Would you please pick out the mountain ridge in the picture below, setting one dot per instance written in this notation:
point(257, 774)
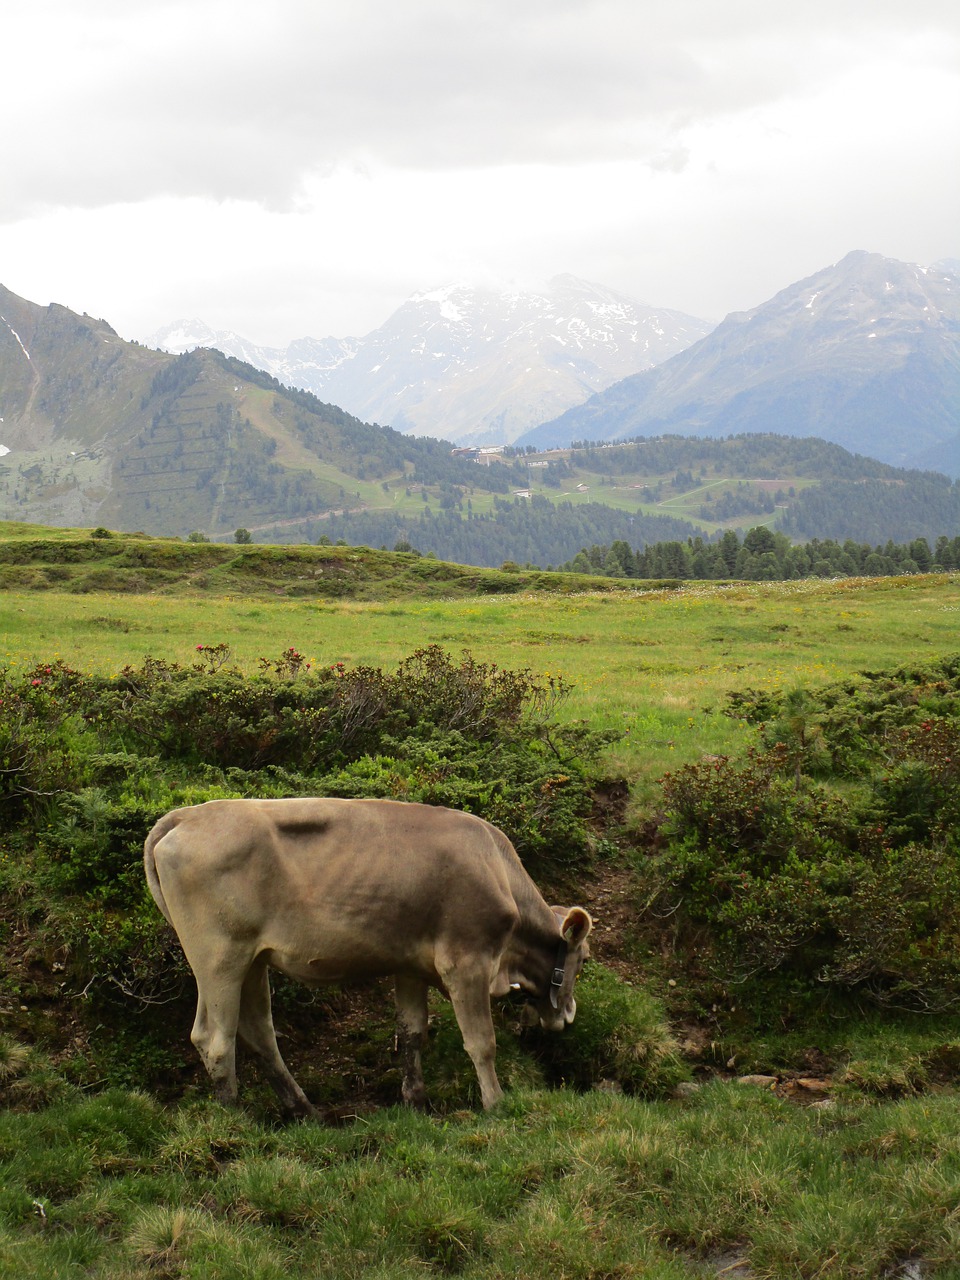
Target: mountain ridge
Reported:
point(103, 431)
point(865, 353)
point(472, 365)
point(100, 431)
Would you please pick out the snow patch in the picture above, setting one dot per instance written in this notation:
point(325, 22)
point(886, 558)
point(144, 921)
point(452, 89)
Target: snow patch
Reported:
point(16, 335)
point(442, 297)
point(3, 450)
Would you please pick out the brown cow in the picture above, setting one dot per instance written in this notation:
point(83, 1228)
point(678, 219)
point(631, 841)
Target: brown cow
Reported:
point(328, 889)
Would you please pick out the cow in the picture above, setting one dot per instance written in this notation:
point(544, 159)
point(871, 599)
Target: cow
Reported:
point(327, 889)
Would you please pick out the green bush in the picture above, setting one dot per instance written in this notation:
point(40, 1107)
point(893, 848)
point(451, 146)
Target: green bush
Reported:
point(290, 715)
point(770, 872)
point(514, 784)
point(619, 1038)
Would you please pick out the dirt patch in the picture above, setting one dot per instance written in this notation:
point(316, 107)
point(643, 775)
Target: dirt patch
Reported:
point(611, 898)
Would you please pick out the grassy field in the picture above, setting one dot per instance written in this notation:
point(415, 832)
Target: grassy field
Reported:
point(852, 1176)
point(654, 666)
point(732, 1182)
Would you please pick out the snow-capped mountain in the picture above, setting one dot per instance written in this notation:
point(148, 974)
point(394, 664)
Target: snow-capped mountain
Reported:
point(866, 354)
point(477, 366)
point(305, 363)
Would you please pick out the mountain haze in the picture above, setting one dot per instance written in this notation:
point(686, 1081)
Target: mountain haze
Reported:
point(476, 366)
point(865, 353)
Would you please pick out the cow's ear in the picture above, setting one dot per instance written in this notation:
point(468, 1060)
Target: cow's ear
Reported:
point(576, 925)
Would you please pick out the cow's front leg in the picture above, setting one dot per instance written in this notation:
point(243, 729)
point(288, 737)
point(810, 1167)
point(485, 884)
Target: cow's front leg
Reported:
point(411, 996)
point(470, 996)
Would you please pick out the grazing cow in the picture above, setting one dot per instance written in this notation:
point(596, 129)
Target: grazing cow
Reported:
point(329, 889)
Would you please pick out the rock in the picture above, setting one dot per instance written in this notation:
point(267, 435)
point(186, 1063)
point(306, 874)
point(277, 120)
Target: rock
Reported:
point(762, 1082)
point(686, 1089)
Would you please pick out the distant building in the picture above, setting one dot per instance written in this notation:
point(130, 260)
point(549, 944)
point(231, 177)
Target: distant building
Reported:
point(484, 454)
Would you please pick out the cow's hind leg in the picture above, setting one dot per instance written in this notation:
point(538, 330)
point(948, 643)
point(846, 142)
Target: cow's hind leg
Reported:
point(257, 1032)
point(214, 1035)
point(411, 994)
point(470, 996)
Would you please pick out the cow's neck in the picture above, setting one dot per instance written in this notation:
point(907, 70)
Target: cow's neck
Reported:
point(532, 951)
point(536, 942)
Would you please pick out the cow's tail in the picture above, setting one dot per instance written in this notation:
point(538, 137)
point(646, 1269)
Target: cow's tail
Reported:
point(160, 829)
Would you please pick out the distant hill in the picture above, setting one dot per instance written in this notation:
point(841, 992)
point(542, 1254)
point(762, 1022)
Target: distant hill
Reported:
point(102, 431)
point(476, 366)
point(674, 488)
point(865, 353)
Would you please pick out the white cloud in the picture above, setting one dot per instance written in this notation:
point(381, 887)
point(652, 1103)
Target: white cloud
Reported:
point(300, 166)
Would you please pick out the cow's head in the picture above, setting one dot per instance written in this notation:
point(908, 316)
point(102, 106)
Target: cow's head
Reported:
point(555, 1006)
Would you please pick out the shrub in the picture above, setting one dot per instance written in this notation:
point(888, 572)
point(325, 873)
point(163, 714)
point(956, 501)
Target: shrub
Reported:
point(516, 785)
point(38, 738)
point(620, 1036)
point(831, 892)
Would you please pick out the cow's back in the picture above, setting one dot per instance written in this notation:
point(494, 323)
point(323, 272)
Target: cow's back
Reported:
point(328, 887)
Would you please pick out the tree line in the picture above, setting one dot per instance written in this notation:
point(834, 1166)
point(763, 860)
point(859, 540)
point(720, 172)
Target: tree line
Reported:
point(524, 530)
point(763, 554)
point(917, 503)
point(764, 455)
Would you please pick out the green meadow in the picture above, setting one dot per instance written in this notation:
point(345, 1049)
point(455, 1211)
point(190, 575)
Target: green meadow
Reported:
point(733, 1182)
point(654, 666)
point(809, 1141)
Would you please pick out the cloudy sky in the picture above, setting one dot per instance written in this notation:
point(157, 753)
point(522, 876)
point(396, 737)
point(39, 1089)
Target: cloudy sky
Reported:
point(293, 167)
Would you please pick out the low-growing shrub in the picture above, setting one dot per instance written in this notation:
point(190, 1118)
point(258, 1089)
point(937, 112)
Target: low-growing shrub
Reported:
point(772, 873)
point(620, 1038)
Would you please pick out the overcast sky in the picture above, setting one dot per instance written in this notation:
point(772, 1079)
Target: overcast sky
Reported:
point(293, 167)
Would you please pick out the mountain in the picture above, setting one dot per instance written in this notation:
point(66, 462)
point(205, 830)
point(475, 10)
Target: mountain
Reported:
point(96, 430)
point(865, 354)
point(477, 366)
point(307, 363)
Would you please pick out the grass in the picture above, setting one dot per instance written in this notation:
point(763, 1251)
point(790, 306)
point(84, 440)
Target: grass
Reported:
point(550, 1185)
point(654, 666)
point(729, 1179)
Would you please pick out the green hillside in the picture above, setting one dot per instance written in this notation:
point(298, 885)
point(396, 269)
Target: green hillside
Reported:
point(36, 558)
point(99, 431)
point(670, 488)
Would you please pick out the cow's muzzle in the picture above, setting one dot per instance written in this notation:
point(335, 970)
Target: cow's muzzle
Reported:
point(556, 1019)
